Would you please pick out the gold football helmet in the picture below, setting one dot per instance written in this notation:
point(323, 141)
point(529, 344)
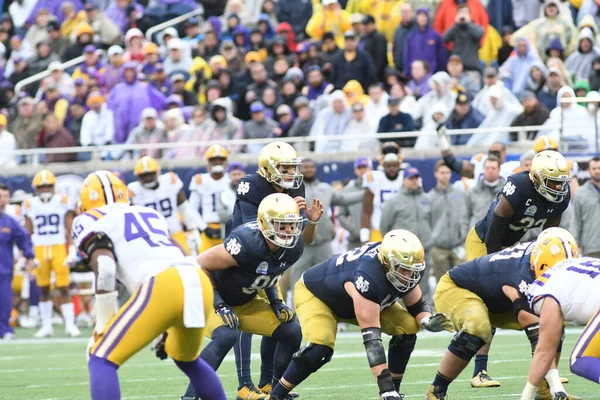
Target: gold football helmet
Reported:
point(279, 164)
point(147, 171)
point(279, 219)
point(403, 257)
point(216, 157)
point(101, 188)
point(550, 174)
point(552, 246)
point(43, 184)
point(545, 143)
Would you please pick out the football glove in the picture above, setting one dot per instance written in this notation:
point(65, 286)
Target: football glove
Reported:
point(437, 323)
point(560, 396)
point(158, 346)
point(71, 257)
point(283, 312)
point(228, 316)
point(212, 232)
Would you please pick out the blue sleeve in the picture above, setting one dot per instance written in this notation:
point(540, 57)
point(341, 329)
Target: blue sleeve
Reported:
point(22, 239)
point(249, 211)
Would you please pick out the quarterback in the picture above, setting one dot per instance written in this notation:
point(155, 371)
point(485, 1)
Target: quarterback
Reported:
point(48, 218)
point(565, 291)
point(169, 292)
point(362, 287)
point(165, 194)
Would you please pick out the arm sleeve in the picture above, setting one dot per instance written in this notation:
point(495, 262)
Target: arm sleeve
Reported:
point(449, 35)
point(22, 239)
point(345, 199)
point(496, 232)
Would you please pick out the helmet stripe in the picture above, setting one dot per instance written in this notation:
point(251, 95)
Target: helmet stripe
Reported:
point(567, 248)
point(107, 189)
point(145, 164)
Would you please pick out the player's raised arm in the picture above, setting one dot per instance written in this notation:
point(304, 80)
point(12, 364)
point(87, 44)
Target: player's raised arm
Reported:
point(367, 315)
point(461, 167)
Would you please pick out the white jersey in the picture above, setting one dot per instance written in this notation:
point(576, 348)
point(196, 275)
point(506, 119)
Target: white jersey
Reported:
point(204, 192)
point(506, 169)
point(15, 211)
point(48, 219)
point(382, 189)
point(574, 285)
point(163, 199)
point(142, 245)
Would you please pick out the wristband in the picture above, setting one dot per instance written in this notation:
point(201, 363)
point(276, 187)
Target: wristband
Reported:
point(308, 221)
point(365, 233)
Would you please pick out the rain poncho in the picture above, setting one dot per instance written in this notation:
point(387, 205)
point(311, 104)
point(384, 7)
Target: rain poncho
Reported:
point(425, 104)
point(427, 141)
point(579, 63)
point(127, 100)
point(515, 70)
point(330, 123)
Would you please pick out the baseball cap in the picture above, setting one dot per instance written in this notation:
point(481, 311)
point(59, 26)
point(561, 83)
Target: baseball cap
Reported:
point(462, 98)
point(283, 109)
point(328, 2)
point(554, 70)
point(328, 35)
point(454, 58)
point(55, 66)
point(53, 26)
point(362, 162)
point(393, 101)
point(528, 94)
point(90, 48)
point(90, 7)
point(490, 71)
point(356, 18)
point(369, 19)
point(411, 173)
point(349, 34)
point(149, 112)
point(257, 106)
point(252, 56)
point(175, 44)
point(236, 165)
point(112, 50)
point(79, 82)
point(301, 101)
point(178, 78)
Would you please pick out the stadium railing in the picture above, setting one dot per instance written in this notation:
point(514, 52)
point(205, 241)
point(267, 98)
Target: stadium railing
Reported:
point(174, 21)
point(41, 75)
point(34, 156)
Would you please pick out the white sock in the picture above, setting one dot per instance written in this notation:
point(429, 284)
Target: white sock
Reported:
point(68, 314)
point(46, 313)
point(34, 311)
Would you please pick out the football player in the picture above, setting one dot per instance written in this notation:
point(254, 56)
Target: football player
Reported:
point(169, 292)
point(490, 292)
point(48, 218)
point(547, 143)
point(380, 185)
point(278, 172)
point(165, 194)
point(474, 168)
point(251, 260)
point(204, 191)
point(362, 287)
point(565, 291)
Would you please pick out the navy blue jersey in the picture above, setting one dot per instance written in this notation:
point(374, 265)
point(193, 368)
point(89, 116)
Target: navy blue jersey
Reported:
point(531, 209)
point(258, 268)
point(361, 266)
point(251, 190)
point(485, 276)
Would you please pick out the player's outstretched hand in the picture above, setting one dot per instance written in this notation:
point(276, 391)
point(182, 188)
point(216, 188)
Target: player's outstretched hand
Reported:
point(158, 346)
point(315, 212)
point(437, 323)
point(213, 233)
point(283, 312)
point(560, 396)
point(391, 396)
point(228, 316)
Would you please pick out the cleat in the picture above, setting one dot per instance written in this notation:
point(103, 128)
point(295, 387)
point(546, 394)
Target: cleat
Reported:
point(57, 319)
point(543, 393)
point(250, 392)
point(288, 397)
point(83, 320)
point(564, 380)
point(25, 321)
point(483, 380)
point(72, 331)
point(268, 387)
point(45, 331)
point(8, 336)
point(433, 395)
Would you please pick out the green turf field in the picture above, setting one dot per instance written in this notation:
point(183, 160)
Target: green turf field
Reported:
point(56, 369)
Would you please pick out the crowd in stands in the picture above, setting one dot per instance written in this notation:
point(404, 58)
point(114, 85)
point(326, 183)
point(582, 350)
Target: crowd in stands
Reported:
point(292, 68)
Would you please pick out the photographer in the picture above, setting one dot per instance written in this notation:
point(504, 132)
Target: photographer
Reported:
point(465, 35)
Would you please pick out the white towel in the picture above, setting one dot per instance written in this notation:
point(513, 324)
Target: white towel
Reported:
point(193, 301)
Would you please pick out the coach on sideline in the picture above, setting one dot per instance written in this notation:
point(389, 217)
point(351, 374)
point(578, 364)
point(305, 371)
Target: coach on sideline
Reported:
point(11, 233)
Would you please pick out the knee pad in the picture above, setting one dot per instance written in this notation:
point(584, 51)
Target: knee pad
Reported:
point(289, 333)
point(403, 343)
point(225, 336)
point(312, 357)
point(465, 346)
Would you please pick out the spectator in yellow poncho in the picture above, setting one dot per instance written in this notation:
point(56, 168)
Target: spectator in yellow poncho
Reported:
point(200, 74)
point(330, 18)
point(354, 92)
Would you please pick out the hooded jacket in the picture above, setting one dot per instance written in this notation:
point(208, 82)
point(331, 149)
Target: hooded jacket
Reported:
point(539, 115)
point(227, 129)
point(360, 68)
point(330, 123)
point(127, 100)
point(424, 44)
point(296, 12)
point(425, 104)
point(515, 70)
point(471, 120)
point(291, 37)
point(580, 63)
point(410, 210)
point(329, 21)
point(446, 14)
point(268, 35)
point(430, 141)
